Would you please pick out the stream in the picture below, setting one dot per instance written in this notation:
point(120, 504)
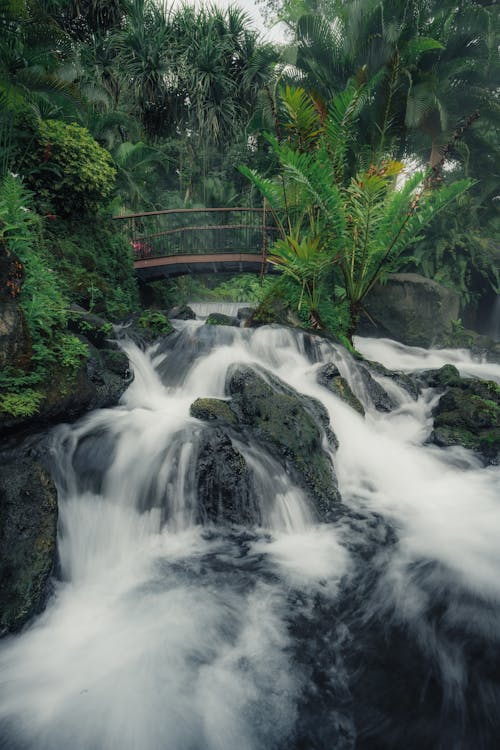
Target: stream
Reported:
point(378, 630)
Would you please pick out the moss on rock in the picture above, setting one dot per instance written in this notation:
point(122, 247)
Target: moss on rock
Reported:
point(210, 409)
point(468, 414)
point(219, 319)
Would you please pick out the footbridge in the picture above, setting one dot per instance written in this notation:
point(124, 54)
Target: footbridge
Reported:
point(174, 242)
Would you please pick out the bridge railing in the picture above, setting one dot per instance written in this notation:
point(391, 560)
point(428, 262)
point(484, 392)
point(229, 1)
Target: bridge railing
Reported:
point(200, 231)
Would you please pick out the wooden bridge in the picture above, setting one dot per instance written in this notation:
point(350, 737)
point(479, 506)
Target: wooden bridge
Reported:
point(200, 240)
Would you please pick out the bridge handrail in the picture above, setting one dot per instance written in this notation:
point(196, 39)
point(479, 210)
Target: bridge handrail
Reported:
point(187, 211)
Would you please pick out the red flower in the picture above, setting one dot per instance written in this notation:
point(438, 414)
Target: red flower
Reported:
point(48, 151)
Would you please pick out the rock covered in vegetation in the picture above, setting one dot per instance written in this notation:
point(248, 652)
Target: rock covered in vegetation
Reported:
point(182, 312)
point(219, 319)
point(330, 377)
point(468, 414)
point(28, 521)
point(412, 309)
point(97, 383)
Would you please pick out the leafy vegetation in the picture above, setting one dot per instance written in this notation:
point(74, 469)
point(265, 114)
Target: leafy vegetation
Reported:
point(68, 169)
point(361, 221)
point(130, 106)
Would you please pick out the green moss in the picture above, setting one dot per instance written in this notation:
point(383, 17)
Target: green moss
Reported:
point(212, 409)
point(468, 414)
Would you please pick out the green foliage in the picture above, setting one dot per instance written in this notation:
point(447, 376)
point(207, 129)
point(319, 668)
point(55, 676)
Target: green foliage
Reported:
point(24, 404)
point(69, 169)
point(95, 264)
point(155, 321)
point(41, 299)
point(360, 223)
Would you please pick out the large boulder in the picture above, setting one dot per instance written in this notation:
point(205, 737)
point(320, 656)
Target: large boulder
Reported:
point(412, 309)
point(291, 427)
point(28, 522)
point(288, 427)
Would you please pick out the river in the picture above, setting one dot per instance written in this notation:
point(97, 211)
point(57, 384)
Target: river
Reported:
point(380, 630)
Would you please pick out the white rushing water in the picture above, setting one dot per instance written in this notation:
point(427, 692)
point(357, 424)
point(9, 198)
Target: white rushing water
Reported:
point(162, 634)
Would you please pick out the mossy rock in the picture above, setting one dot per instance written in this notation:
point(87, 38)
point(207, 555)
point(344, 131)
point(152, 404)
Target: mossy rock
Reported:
point(210, 409)
point(468, 414)
point(287, 423)
point(155, 322)
point(28, 528)
point(219, 319)
point(330, 377)
point(182, 312)
point(444, 377)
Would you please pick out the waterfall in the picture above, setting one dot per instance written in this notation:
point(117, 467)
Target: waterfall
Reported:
point(378, 630)
point(203, 309)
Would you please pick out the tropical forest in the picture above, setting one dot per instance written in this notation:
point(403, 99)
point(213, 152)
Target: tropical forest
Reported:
point(249, 375)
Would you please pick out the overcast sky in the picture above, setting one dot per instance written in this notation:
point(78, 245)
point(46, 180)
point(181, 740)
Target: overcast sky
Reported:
point(252, 10)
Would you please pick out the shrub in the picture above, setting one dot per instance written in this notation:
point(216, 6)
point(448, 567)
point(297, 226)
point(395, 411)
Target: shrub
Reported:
point(69, 170)
point(155, 321)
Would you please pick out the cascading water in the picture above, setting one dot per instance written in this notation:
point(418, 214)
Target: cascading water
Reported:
point(379, 630)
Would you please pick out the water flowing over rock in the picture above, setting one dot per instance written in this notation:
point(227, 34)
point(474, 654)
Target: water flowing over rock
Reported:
point(259, 548)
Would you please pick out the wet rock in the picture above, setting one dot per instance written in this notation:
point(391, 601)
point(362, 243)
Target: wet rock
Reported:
point(210, 409)
point(244, 313)
point(15, 340)
point(445, 376)
point(219, 319)
point(273, 310)
point(28, 521)
point(182, 312)
point(379, 397)
point(66, 395)
point(412, 309)
point(468, 414)
point(223, 483)
point(287, 423)
point(406, 382)
point(330, 377)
